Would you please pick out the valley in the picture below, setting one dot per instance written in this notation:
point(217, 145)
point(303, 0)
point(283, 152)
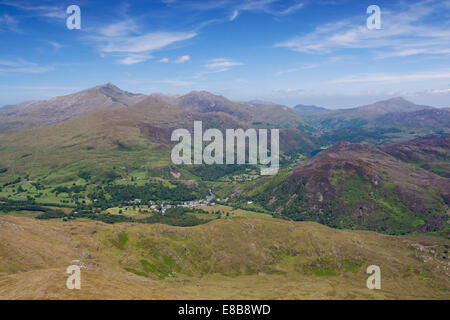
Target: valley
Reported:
point(94, 183)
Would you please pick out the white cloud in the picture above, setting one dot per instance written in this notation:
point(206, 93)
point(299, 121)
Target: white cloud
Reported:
point(20, 65)
point(216, 66)
point(272, 7)
point(422, 93)
point(440, 91)
point(48, 11)
point(163, 60)
point(291, 9)
point(124, 39)
point(222, 63)
point(135, 58)
point(266, 6)
point(310, 66)
point(393, 78)
point(144, 43)
point(234, 15)
point(411, 52)
point(182, 59)
point(289, 91)
point(292, 70)
point(404, 32)
point(118, 29)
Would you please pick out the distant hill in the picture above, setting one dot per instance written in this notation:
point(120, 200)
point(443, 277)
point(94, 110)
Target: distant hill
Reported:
point(382, 122)
point(357, 186)
point(398, 104)
point(438, 119)
point(301, 108)
point(371, 111)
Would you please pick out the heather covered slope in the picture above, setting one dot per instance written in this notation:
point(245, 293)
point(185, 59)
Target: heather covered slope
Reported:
point(241, 258)
point(363, 187)
point(430, 153)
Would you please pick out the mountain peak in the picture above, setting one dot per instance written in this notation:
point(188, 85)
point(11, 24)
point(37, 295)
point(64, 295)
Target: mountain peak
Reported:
point(109, 88)
point(66, 107)
point(105, 86)
point(201, 95)
point(203, 101)
point(311, 108)
point(393, 105)
point(397, 99)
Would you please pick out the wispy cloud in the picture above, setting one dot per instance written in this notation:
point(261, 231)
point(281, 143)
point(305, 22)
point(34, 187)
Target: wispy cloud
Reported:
point(126, 39)
point(309, 66)
point(143, 43)
point(9, 23)
point(118, 29)
point(182, 59)
point(217, 65)
point(135, 58)
point(404, 33)
point(292, 70)
point(266, 6)
point(20, 65)
point(55, 45)
point(393, 78)
point(222, 64)
point(164, 60)
point(427, 92)
point(272, 7)
point(289, 92)
point(48, 11)
point(234, 15)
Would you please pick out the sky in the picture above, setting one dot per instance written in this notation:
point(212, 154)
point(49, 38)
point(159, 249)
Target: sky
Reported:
point(318, 52)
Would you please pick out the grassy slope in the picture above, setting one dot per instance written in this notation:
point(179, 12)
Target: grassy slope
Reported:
point(231, 258)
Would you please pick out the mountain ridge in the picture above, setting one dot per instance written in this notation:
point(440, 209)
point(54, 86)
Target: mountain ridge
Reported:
point(361, 186)
point(61, 108)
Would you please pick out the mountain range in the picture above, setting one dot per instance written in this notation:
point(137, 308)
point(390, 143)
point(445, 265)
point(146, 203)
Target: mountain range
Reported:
point(87, 179)
point(107, 132)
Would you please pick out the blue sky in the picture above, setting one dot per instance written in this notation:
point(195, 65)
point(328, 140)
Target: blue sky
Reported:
point(295, 51)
